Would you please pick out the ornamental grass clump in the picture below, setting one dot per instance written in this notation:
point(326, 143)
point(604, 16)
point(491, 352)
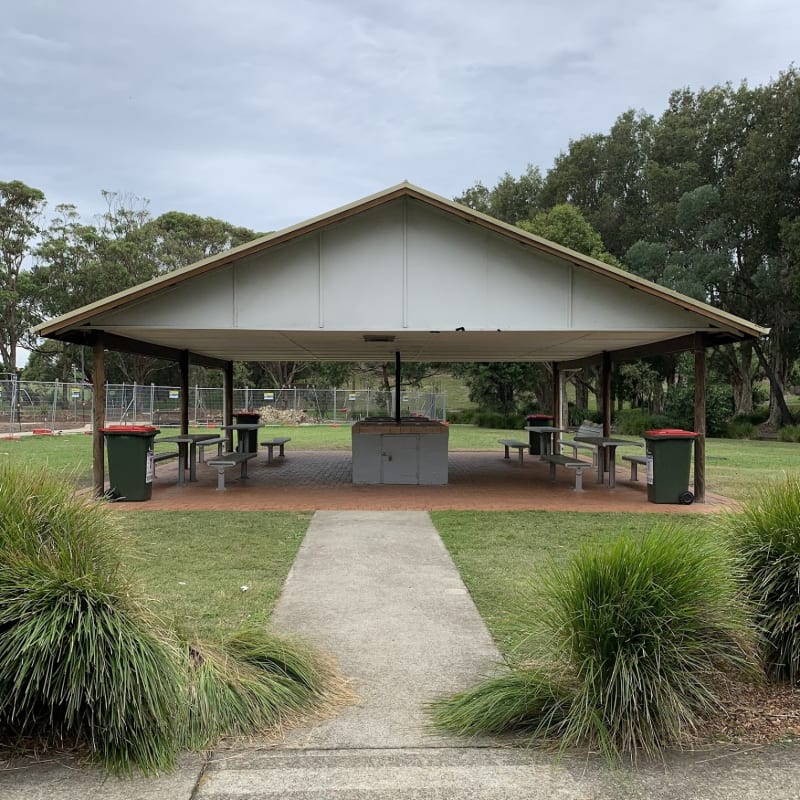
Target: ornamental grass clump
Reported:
point(641, 633)
point(83, 664)
point(648, 625)
point(766, 536)
point(251, 682)
point(80, 661)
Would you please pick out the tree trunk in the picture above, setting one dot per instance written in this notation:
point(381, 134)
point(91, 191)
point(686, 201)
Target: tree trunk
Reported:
point(741, 358)
point(779, 415)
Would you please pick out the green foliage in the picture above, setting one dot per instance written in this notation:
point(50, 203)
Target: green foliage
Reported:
point(576, 415)
point(766, 536)
point(531, 701)
point(505, 387)
point(494, 419)
point(648, 624)
point(20, 208)
point(251, 682)
point(510, 200)
point(739, 428)
point(79, 659)
point(679, 408)
point(466, 417)
point(566, 225)
point(641, 631)
point(82, 661)
point(791, 433)
point(633, 421)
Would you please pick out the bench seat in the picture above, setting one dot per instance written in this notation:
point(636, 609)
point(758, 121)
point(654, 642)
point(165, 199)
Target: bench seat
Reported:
point(227, 460)
point(164, 457)
point(219, 441)
point(587, 428)
point(271, 444)
point(569, 463)
point(515, 444)
point(636, 462)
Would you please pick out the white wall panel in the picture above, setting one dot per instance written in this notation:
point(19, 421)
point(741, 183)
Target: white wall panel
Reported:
point(208, 298)
point(279, 289)
point(362, 272)
point(526, 290)
point(603, 304)
point(447, 272)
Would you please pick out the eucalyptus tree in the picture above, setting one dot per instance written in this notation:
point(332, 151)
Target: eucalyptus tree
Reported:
point(21, 207)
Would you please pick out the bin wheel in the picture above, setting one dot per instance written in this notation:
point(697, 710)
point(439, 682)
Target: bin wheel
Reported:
point(686, 498)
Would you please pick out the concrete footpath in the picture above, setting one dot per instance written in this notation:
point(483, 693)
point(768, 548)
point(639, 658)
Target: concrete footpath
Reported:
point(379, 591)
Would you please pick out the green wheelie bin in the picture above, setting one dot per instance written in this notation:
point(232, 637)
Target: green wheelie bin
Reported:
point(250, 438)
point(669, 458)
point(130, 461)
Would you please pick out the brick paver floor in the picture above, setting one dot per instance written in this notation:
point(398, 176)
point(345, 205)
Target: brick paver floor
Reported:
point(311, 480)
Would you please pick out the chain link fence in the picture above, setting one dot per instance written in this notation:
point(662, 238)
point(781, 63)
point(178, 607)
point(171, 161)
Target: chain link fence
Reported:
point(31, 405)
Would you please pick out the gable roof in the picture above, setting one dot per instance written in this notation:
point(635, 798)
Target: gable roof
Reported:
point(690, 315)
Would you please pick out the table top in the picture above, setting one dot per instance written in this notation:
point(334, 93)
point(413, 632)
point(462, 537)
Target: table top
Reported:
point(188, 437)
point(544, 429)
point(610, 441)
point(244, 426)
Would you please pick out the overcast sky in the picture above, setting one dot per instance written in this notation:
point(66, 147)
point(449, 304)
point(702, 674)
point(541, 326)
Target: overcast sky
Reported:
point(265, 113)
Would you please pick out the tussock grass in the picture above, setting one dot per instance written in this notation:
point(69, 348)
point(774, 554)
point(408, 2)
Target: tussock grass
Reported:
point(80, 659)
point(640, 633)
point(528, 700)
point(251, 682)
point(83, 662)
point(766, 537)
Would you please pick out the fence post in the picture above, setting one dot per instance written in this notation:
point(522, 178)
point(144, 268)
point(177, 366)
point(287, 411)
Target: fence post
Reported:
point(152, 400)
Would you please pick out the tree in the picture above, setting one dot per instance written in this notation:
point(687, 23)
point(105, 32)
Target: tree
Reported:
point(511, 200)
point(20, 209)
point(565, 225)
point(506, 387)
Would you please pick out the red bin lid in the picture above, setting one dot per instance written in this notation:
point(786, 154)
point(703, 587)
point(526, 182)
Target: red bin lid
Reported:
point(663, 432)
point(129, 429)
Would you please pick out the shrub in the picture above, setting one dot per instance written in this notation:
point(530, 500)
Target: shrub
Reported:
point(251, 682)
point(647, 624)
point(740, 428)
point(575, 415)
point(633, 421)
point(494, 419)
point(642, 632)
point(530, 700)
point(766, 536)
point(791, 433)
point(679, 408)
point(466, 417)
point(79, 658)
point(82, 662)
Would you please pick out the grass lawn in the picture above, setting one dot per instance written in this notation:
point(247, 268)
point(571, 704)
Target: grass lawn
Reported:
point(502, 555)
point(192, 565)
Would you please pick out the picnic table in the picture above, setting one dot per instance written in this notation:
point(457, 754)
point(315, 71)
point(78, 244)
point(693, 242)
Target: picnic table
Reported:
point(187, 451)
point(547, 435)
point(607, 445)
point(242, 428)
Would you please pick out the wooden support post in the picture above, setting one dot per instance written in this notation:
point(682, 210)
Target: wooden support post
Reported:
point(98, 416)
point(184, 393)
point(606, 400)
point(700, 419)
point(227, 402)
point(397, 387)
point(557, 406)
